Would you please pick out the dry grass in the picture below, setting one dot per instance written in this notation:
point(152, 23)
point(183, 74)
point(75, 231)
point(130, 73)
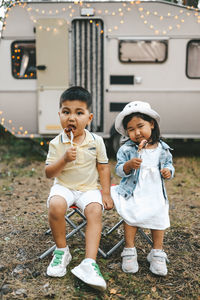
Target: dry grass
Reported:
point(23, 222)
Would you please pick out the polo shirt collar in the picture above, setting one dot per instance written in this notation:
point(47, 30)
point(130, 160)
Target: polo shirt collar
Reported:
point(88, 137)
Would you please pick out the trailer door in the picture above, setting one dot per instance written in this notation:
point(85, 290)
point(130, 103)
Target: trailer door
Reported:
point(88, 63)
point(52, 71)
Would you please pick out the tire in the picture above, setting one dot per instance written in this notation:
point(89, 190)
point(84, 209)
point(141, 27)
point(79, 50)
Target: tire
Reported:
point(116, 141)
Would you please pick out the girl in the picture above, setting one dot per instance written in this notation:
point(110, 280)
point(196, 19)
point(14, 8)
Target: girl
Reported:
point(141, 198)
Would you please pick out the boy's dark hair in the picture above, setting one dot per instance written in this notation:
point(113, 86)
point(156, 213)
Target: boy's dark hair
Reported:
point(155, 136)
point(76, 93)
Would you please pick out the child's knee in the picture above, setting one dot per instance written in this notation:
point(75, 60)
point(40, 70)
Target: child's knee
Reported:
point(57, 207)
point(93, 211)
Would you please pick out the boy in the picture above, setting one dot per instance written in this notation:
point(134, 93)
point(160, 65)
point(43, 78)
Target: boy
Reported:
point(76, 166)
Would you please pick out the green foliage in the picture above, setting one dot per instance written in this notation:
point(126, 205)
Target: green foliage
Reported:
point(5, 4)
point(19, 147)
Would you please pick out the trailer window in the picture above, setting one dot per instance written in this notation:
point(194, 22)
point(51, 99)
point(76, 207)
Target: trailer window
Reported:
point(23, 59)
point(193, 59)
point(142, 51)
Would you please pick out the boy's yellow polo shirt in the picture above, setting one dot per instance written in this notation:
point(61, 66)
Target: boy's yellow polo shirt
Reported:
point(81, 174)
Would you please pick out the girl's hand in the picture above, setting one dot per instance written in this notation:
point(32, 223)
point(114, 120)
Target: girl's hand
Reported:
point(166, 174)
point(70, 154)
point(135, 163)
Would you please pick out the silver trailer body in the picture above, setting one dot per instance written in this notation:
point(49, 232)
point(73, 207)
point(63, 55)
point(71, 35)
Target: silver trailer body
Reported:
point(120, 51)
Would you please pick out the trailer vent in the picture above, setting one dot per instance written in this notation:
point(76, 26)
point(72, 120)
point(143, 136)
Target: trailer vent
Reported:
point(121, 79)
point(87, 63)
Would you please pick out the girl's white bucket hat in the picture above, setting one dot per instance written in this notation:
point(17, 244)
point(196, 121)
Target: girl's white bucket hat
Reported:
point(134, 107)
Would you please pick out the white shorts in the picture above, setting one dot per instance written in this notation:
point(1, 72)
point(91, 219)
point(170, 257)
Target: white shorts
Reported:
point(77, 198)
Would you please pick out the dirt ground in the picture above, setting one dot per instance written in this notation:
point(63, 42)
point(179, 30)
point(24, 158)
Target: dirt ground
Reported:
point(23, 223)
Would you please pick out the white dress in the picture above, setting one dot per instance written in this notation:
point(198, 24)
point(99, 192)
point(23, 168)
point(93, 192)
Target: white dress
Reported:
point(147, 208)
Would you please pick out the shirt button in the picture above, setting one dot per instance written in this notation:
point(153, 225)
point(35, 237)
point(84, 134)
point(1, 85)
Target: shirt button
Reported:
point(134, 182)
point(125, 195)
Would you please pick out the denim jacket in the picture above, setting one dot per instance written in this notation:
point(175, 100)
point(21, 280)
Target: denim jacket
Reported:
point(128, 182)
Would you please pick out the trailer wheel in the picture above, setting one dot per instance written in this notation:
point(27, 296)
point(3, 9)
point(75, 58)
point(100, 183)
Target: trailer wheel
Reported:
point(115, 140)
point(112, 145)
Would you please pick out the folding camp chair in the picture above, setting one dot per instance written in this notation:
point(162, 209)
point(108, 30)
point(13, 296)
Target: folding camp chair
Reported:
point(78, 228)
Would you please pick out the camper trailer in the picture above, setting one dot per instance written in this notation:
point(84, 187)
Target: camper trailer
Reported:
point(121, 51)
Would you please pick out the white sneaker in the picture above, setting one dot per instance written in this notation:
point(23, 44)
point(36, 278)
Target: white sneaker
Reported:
point(89, 273)
point(129, 260)
point(59, 262)
point(157, 259)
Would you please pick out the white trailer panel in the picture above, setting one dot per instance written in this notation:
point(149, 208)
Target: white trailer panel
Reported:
point(120, 51)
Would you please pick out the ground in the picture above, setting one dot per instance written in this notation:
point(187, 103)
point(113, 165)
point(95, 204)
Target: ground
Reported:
point(23, 223)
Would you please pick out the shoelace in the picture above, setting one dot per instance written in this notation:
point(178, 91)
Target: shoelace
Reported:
point(97, 270)
point(58, 254)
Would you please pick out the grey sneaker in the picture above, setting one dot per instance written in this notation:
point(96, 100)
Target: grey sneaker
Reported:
point(157, 259)
point(59, 262)
point(129, 260)
point(89, 273)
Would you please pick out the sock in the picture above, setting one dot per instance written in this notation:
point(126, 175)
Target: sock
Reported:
point(63, 249)
point(89, 260)
point(128, 248)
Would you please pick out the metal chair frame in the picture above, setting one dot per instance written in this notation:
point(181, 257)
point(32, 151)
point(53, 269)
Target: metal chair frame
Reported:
point(77, 228)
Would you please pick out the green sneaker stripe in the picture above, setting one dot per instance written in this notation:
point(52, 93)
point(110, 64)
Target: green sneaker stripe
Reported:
point(61, 252)
point(97, 270)
point(57, 259)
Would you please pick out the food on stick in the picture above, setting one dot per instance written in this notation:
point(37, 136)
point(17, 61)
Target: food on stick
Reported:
point(69, 130)
point(142, 145)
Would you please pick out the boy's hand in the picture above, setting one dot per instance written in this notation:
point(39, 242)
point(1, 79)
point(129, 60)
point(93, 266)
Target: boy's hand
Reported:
point(166, 174)
point(70, 154)
point(107, 202)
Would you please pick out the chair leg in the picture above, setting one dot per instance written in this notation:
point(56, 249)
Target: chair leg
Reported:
point(76, 229)
point(145, 236)
point(83, 224)
point(115, 247)
point(115, 227)
point(43, 255)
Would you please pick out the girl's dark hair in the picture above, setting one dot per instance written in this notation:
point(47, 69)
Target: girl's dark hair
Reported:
point(76, 93)
point(155, 135)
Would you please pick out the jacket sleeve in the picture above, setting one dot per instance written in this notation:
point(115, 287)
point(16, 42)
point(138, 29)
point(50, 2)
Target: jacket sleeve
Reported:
point(169, 163)
point(122, 158)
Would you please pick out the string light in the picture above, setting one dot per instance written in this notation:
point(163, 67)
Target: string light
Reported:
point(72, 10)
point(165, 18)
point(13, 129)
point(20, 131)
